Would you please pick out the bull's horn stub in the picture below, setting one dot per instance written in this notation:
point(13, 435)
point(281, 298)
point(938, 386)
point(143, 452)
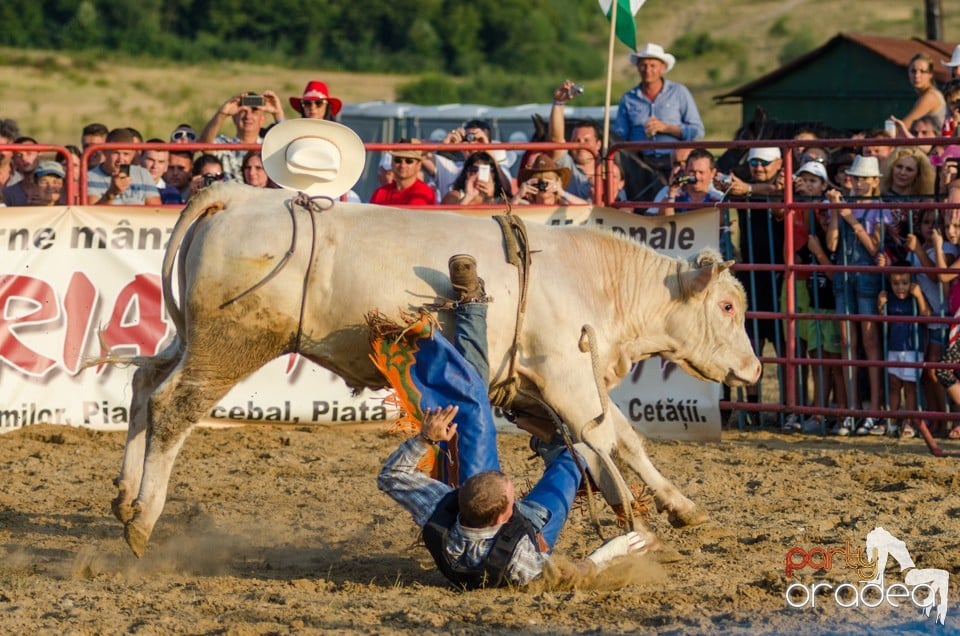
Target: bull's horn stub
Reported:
point(315, 157)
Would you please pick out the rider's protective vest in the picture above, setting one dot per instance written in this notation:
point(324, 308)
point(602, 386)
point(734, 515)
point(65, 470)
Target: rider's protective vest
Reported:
point(492, 572)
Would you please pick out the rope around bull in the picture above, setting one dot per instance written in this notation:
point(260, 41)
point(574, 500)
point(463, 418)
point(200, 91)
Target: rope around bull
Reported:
point(312, 206)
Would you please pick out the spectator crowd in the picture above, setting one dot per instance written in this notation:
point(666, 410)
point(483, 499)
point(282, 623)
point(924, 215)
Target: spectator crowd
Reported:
point(904, 214)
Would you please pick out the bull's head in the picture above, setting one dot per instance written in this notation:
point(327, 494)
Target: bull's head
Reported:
point(706, 323)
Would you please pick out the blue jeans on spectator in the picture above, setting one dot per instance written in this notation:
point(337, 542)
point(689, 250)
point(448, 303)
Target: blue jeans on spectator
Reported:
point(548, 503)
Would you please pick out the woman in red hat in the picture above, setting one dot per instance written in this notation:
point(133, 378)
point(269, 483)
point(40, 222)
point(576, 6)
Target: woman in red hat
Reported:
point(316, 103)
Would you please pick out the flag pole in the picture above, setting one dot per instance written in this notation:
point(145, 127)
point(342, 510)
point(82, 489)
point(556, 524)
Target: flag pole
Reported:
point(606, 101)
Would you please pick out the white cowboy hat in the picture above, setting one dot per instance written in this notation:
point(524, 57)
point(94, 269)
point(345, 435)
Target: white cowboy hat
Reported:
point(955, 60)
point(656, 52)
point(864, 167)
point(315, 156)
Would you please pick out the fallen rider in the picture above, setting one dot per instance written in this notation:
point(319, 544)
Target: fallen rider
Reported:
point(479, 535)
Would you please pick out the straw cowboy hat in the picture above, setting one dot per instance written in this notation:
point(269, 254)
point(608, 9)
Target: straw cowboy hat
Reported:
point(955, 60)
point(315, 156)
point(317, 90)
point(542, 164)
point(656, 52)
point(408, 153)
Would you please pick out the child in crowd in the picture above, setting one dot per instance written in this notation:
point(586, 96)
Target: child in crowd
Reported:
point(946, 377)
point(923, 253)
point(809, 184)
point(823, 336)
point(856, 236)
point(903, 344)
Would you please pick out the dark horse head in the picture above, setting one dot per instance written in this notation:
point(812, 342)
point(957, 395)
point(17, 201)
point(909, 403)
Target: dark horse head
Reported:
point(761, 126)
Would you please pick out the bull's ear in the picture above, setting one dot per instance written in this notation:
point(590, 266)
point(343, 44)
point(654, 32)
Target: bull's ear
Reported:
point(694, 281)
point(725, 265)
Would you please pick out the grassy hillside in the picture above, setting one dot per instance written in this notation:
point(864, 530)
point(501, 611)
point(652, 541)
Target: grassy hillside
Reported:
point(728, 42)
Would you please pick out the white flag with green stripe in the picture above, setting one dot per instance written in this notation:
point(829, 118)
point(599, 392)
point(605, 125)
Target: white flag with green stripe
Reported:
point(626, 25)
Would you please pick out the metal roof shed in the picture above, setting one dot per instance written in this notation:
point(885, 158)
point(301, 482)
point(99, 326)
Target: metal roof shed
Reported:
point(852, 82)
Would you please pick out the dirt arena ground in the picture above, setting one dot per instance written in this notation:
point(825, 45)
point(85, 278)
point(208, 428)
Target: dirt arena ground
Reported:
point(282, 530)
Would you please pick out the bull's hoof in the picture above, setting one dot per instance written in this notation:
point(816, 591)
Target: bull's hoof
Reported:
point(122, 509)
point(136, 538)
point(687, 518)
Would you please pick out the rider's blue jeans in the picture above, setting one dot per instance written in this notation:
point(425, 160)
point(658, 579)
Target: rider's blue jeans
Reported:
point(548, 503)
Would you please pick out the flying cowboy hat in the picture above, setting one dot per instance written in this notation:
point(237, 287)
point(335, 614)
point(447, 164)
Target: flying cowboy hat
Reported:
point(315, 156)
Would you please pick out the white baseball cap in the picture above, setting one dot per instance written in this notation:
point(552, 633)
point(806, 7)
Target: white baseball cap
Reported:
point(815, 168)
point(767, 154)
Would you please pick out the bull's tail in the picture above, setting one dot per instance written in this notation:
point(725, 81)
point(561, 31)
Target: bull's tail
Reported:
point(207, 201)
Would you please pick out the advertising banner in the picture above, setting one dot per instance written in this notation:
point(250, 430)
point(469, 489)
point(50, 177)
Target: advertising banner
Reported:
point(76, 280)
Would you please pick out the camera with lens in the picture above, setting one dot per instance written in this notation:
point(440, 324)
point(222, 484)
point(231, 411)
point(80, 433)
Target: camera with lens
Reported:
point(576, 89)
point(725, 180)
point(542, 185)
point(469, 137)
point(252, 100)
point(684, 180)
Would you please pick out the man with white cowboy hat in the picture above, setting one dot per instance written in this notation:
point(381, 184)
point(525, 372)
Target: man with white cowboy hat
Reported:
point(954, 63)
point(657, 109)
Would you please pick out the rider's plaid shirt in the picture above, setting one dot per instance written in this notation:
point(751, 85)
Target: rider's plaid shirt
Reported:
point(419, 494)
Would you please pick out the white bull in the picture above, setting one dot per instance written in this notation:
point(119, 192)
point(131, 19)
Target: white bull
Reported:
point(296, 294)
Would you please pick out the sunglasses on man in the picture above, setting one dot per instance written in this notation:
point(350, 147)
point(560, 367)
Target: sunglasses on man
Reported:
point(406, 160)
point(759, 162)
point(178, 135)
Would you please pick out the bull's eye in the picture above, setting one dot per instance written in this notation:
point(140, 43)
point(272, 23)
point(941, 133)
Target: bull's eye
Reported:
point(727, 308)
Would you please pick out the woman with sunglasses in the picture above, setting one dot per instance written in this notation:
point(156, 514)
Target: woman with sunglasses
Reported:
point(479, 183)
point(316, 102)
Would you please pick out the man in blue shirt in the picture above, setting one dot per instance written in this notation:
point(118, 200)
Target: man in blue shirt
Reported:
point(116, 181)
point(657, 109)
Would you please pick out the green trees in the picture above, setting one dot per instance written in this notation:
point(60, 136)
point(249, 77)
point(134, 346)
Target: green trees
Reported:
point(449, 37)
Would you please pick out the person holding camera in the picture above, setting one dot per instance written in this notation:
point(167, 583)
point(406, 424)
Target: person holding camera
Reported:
point(207, 170)
point(479, 183)
point(249, 113)
point(449, 163)
point(582, 162)
point(693, 184)
point(544, 183)
point(116, 181)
